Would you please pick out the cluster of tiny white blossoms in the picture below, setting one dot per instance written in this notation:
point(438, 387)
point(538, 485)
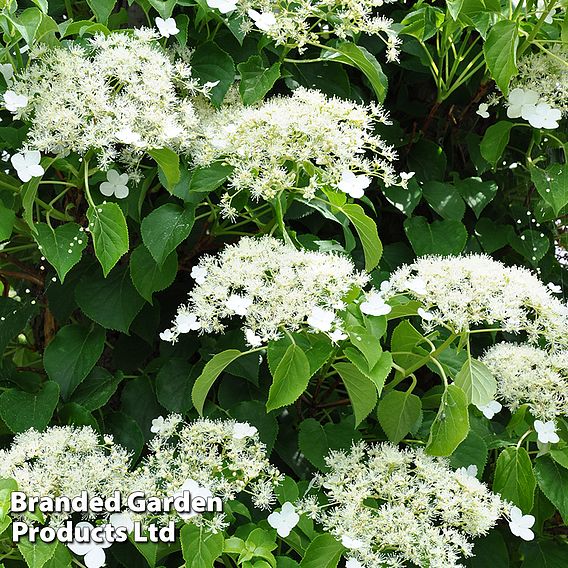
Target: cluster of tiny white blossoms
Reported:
point(391, 507)
point(308, 21)
point(468, 291)
point(219, 458)
point(64, 461)
point(529, 375)
point(325, 139)
point(546, 75)
point(119, 94)
point(272, 286)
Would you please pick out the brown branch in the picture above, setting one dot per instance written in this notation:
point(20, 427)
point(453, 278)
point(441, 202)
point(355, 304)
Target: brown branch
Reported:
point(22, 276)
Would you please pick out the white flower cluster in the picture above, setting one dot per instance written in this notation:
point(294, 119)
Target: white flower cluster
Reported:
point(307, 21)
point(391, 507)
point(468, 291)
point(544, 75)
point(120, 94)
point(527, 374)
point(64, 461)
point(220, 457)
point(325, 139)
point(271, 285)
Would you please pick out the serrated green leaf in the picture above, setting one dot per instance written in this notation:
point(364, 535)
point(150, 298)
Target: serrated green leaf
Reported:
point(7, 219)
point(551, 184)
point(72, 354)
point(514, 478)
point(112, 302)
point(168, 161)
point(451, 425)
point(398, 412)
point(358, 57)
point(477, 382)
point(367, 231)
point(323, 552)
point(209, 375)
point(147, 275)
point(500, 52)
point(361, 390)
point(165, 228)
point(290, 378)
point(102, 9)
point(553, 480)
point(200, 548)
point(447, 237)
point(495, 141)
point(211, 64)
point(62, 246)
point(37, 553)
point(256, 79)
point(110, 233)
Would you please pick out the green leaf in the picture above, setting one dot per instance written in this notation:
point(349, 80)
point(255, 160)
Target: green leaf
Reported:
point(454, 8)
point(210, 64)
point(544, 554)
point(164, 7)
point(368, 343)
point(149, 551)
point(72, 354)
point(551, 184)
point(14, 317)
point(208, 178)
point(112, 302)
point(490, 550)
point(323, 552)
point(110, 233)
point(290, 378)
point(200, 548)
point(493, 236)
point(358, 57)
point(495, 141)
point(36, 554)
point(27, 23)
point(472, 451)
point(209, 375)
point(398, 413)
point(477, 193)
point(447, 237)
point(173, 385)
point(62, 247)
point(367, 231)
point(444, 199)
point(96, 390)
point(147, 275)
point(531, 244)
point(102, 9)
point(7, 486)
point(313, 443)
point(126, 432)
point(165, 228)
point(7, 220)
point(168, 161)
point(361, 390)
point(404, 338)
point(256, 79)
point(451, 425)
point(423, 23)
point(254, 412)
point(477, 382)
point(22, 410)
point(553, 481)
point(500, 52)
point(514, 478)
